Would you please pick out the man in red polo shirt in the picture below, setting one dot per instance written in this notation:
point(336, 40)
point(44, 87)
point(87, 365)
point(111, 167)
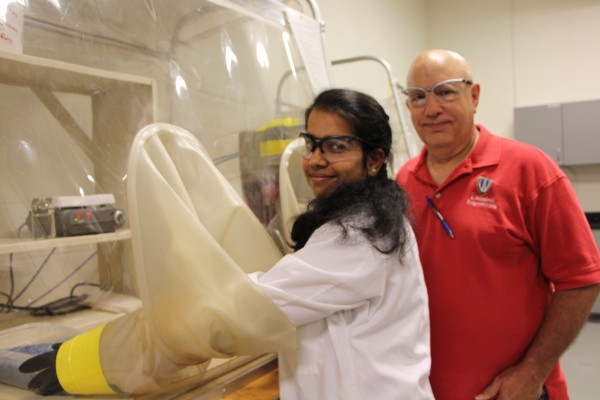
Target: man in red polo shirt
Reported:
point(510, 263)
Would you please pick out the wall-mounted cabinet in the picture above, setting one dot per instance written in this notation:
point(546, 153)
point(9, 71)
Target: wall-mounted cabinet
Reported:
point(567, 132)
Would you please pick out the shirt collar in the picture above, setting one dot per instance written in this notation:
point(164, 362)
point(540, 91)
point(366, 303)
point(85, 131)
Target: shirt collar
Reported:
point(487, 150)
point(486, 153)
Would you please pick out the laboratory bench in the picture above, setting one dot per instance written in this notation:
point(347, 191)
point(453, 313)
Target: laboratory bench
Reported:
point(255, 380)
point(237, 378)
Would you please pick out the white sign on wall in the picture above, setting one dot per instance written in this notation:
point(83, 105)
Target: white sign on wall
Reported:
point(11, 26)
point(307, 33)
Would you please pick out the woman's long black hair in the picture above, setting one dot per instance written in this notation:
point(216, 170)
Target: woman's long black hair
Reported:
point(375, 205)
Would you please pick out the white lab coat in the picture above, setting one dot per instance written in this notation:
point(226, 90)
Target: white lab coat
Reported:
point(362, 320)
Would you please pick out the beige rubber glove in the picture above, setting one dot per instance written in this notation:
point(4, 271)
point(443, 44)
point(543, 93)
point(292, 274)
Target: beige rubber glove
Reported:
point(194, 240)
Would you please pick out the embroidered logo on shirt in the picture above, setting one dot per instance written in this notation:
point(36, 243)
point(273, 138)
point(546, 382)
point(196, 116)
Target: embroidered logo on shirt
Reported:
point(482, 201)
point(482, 198)
point(484, 185)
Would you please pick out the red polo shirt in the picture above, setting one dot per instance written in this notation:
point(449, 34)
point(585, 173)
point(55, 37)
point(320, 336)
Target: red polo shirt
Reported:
point(518, 226)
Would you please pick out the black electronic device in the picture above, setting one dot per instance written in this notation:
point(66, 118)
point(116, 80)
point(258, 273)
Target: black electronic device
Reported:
point(74, 216)
point(87, 220)
point(594, 219)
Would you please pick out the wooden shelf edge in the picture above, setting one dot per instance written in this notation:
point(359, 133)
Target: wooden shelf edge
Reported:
point(8, 246)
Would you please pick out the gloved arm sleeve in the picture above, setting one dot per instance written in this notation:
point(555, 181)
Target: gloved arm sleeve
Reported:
point(118, 357)
point(193, 240)
point(78, 364)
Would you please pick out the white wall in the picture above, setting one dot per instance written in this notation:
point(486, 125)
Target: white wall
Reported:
point(393, 30)
point(557, 51)
point(522, 52)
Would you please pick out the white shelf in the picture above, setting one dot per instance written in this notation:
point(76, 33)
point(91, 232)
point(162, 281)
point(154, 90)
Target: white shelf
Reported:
point(121, 104)
point(22, 245)
point(26, 70)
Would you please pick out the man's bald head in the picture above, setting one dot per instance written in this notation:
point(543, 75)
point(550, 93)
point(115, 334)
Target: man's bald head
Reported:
point(439, 63)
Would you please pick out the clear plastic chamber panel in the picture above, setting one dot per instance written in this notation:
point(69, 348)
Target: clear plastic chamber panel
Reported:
point(79, 78)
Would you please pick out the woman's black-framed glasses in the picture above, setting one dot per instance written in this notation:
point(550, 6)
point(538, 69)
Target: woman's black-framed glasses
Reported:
point(334, 148)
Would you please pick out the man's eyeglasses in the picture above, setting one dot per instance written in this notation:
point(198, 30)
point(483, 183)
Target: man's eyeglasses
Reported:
point(334, 148)
point(444, 92)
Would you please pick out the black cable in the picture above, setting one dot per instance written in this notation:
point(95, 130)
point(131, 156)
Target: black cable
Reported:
point(56, 307)
point(83, 284)
point(9, 296)
point(60, 306)
point(25, 308)
point(35, 275)
point(21, 227)
point(65, 278)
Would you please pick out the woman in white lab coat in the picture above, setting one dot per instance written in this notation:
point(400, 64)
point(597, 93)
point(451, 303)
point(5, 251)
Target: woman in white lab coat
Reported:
point(354, 286)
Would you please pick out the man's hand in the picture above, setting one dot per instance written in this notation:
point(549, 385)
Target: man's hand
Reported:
point(567, 312)
point(46, 381)
point(513, 384)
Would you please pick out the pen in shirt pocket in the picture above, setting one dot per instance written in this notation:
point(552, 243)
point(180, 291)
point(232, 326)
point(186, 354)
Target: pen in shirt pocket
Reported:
point(439, 216)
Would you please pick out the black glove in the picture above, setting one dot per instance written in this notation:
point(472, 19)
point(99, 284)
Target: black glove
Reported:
point(46, 382)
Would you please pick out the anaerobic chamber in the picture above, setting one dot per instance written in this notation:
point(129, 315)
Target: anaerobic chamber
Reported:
point(78, 80)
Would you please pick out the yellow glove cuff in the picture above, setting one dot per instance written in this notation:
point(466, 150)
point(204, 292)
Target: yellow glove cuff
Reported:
point(78, 365)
